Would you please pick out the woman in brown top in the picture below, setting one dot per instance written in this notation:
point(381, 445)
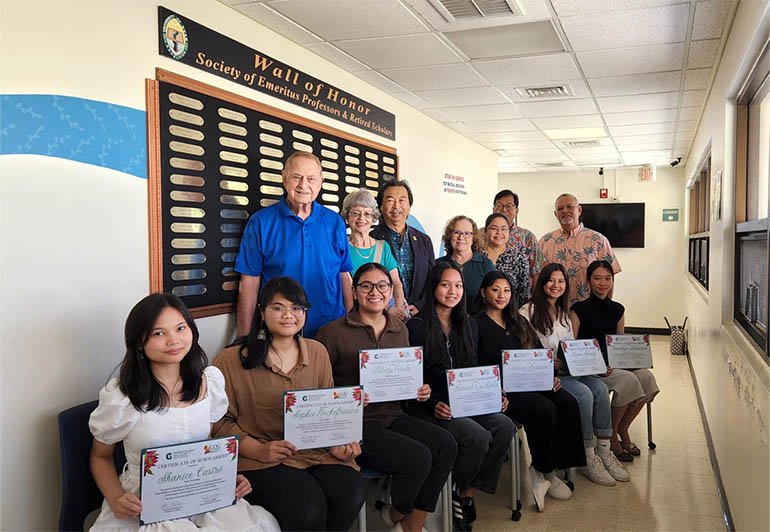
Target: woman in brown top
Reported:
point(258, 369)
point(418, 454)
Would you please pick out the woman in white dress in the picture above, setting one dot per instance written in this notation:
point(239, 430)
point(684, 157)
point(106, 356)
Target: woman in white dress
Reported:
point(164, 395)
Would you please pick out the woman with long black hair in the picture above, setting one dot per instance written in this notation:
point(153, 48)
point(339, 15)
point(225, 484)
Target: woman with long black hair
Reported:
point(551, 418)
point(450, 340)
point(258, 369)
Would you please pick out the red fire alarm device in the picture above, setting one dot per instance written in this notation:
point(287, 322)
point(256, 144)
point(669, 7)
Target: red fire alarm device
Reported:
point(603, 193)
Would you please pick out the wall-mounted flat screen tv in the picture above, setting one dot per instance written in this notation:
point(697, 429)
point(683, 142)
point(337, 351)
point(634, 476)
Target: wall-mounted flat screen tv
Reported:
point(621, 223)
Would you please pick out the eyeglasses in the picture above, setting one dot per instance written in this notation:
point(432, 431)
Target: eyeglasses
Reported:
point(503, 228)
point(505, 206)
point(361, 214)
point(309, 179)
point(367, 287)
point(466, 234)
point(296, 310)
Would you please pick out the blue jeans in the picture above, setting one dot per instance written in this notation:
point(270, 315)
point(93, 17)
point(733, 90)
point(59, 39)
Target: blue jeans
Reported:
point(594, 402)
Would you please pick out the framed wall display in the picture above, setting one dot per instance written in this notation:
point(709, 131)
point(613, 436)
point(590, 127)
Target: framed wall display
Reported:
point(214, 159)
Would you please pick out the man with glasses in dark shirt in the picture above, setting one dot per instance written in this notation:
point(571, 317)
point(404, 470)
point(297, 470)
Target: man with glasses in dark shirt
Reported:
point(506, 203)
point(412, 248)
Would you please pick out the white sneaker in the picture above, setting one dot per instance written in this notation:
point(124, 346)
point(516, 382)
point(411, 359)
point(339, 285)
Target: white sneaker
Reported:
point(613, 467)
point(540, 487)
point(559, 490)
point(596, 472)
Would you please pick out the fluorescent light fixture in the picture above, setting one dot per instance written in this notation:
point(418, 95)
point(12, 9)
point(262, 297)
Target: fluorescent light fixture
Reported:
point(576, 133)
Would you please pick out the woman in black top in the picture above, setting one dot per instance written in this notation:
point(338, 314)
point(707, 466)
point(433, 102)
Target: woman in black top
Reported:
point(551, 418)
point(449, 338)
point(597, 317)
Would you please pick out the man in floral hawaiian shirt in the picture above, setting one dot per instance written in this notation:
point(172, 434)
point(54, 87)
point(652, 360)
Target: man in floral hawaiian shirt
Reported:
point(506, 203)
point(575, 247)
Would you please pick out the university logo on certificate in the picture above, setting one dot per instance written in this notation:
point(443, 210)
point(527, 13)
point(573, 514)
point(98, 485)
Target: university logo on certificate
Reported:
point(323, 417)
point(474, 391)
point(391, 374)
point(187, 479)
point(629, 351)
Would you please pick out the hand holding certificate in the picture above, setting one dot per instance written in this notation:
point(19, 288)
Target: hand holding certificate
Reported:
point(629, 351)
point(188, 479)
point(323, 417)
point(391, 374)
point(583, 357)
point(527, 370)
point(474, 391)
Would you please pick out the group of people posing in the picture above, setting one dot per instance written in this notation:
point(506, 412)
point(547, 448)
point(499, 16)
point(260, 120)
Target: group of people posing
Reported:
point(377, 287)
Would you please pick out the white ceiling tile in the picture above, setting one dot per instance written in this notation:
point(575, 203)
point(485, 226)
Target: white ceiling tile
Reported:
point(681, 148)
point(545, 156)
point(567, 122)
point(639, 102)
point(400, 52)
point(351, 19)
point(640, 117)
point(587, 158)
point(520, 146)
point(509, 136)
point(686, 125)
point(452, 76)
point(581, 106)
point(526, 71)
point(577, 88)
point(684, 135)
point(689, 113)
point(438, 114)
point(460, 128)
point(651, 153)
point(602, 144)
point(566, 8)
point(459, 97)
point(646, 157)
point(277, 22)
point(697, 78)
point(379, 81)
point(702, 54)
point(693, 98)
point(411, 99)
point(635, 27)
point(483, 112)
point(336, 56)
point(629, 142)
point(491, 126)
point(632, 60)
point(710, 18)
point(642, 129)
point(636, 83)
point(518, 170)
point(565, 166)
point(645, 146)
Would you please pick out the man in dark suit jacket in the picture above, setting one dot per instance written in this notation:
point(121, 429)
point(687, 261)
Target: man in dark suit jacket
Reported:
point(412, 248)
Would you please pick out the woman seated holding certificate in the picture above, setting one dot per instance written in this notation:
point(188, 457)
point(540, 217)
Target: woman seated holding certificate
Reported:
point(551, 418)
point(548, 314)
point(312, 489)
point(418, 454)
point(164, 395)
point(450, 339)
point(597, 317)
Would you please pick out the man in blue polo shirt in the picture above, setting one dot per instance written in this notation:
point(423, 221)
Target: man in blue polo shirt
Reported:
point(299, 238)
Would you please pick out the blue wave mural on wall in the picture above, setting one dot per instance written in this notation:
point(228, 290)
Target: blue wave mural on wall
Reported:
point(88, 131)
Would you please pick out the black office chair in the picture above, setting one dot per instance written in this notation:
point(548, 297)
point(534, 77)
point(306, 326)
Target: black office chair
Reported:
point(80, 496)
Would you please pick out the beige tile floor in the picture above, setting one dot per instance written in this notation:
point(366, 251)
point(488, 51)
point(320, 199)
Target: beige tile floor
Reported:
point(671, 488)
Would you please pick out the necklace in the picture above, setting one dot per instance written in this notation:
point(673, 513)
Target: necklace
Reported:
point(371, 251)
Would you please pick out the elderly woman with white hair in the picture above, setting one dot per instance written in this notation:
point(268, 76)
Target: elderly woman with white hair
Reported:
point(359, 210)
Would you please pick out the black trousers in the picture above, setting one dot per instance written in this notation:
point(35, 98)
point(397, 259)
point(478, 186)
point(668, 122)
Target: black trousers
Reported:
point(322, 497)
point(552, 422)
point(418, 454)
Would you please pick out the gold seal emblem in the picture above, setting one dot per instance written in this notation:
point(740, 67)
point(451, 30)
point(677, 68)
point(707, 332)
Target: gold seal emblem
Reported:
point(175, 37)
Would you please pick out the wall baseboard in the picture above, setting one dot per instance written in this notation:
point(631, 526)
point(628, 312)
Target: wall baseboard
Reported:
point(648, 330)
point(726, 515)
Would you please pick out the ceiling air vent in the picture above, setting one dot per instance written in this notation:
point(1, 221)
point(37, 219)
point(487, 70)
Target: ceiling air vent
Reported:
point(559, 91)
point(581, 143)
point(549, 165)
point(452, 10)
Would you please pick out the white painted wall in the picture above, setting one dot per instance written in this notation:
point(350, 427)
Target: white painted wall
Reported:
point(649, 285)
point(67, 283)
point(734, 378)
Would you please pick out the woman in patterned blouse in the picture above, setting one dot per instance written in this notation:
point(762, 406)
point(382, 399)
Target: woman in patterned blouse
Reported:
point(508, 260)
